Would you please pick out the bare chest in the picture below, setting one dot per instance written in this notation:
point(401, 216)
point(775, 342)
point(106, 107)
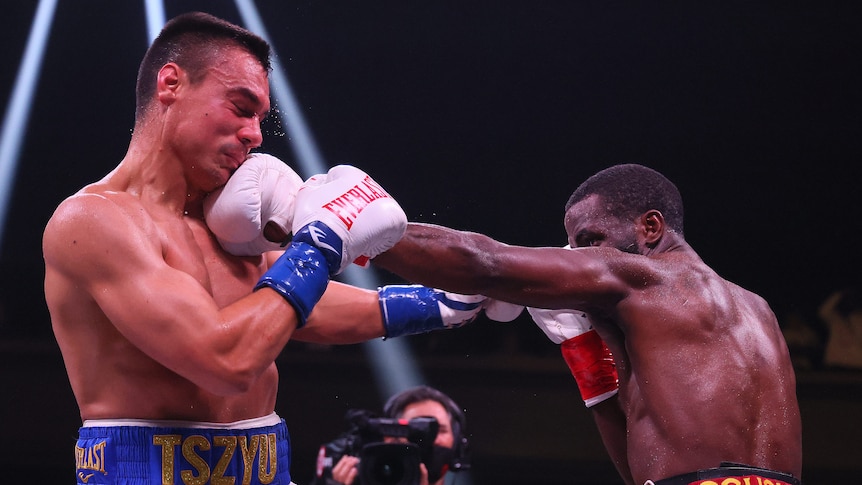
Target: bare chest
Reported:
point(196, 252)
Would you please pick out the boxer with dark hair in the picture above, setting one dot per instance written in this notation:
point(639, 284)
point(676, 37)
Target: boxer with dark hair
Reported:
point(696, 381)
point(172, 292)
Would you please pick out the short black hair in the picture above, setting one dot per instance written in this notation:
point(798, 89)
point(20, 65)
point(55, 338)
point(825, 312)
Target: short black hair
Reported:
point(628, 190)
point(193, 40)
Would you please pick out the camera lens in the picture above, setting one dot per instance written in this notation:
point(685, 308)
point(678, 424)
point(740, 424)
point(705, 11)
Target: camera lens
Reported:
point(389, 464)
point(388, 472)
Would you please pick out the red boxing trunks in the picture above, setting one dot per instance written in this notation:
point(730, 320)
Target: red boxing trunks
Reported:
point(730, 474)
point(139, 452)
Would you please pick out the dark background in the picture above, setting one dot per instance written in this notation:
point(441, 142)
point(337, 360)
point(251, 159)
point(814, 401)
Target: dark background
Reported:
point(485, 115)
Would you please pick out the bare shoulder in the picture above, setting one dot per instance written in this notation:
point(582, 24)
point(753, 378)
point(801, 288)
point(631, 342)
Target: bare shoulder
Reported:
point(753, 302)
point(89, 225)
point(83, 212)
point(725, 303)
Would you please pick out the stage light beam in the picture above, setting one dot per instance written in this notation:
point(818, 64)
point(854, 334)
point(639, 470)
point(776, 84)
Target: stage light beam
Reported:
point(155, 18)
point(21, 100)
point(394, 368)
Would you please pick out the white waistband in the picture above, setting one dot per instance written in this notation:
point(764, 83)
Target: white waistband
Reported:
point(269, 420)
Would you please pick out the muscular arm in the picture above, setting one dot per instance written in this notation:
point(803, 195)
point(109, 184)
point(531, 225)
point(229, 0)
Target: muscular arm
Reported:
point(345, 315)
point(591, 279)
point(109, 250)
point(471, 263)
point(611, 423)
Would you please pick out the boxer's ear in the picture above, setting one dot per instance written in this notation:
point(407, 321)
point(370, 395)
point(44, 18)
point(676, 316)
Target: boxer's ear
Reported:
point(652, 227)
point(168, 82)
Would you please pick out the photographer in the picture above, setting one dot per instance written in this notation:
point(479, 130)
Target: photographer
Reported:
point(414, 406)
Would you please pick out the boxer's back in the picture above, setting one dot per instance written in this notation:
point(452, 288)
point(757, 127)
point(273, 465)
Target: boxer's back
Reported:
point(707, 376)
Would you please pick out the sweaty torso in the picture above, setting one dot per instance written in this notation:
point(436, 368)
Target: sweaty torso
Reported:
point(112, 378)
point(705, 375)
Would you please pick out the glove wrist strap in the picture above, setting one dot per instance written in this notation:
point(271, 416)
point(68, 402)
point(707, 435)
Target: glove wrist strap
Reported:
point(300, 275)
point(326, 241)
point(408, 310)
point(592, 366)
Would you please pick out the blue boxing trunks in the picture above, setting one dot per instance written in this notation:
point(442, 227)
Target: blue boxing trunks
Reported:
point(730, 474)
point(141, 452)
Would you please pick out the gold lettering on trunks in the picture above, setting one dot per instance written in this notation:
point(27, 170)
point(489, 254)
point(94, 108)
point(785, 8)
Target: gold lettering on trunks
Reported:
point(195, 460)
point(248, 451)
point(167, 442)
point(268, 463)
point(229, 445)
point(91, 458)
point(264, 446)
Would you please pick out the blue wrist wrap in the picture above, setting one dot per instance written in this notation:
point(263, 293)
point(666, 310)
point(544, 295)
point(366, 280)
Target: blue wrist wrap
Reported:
point(414, 309)
point(323, 238)
point(300, 275)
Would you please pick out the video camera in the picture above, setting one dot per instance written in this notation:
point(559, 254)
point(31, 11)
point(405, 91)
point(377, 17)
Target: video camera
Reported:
point(380, 463)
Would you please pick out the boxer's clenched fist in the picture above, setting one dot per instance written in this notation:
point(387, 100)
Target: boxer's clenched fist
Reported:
point(339, 216)
point(348, 216)
point(260, 192)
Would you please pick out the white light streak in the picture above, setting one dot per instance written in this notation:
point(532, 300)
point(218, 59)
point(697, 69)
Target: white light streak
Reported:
point(20, 102)
point(391, 361)
point(155, 18)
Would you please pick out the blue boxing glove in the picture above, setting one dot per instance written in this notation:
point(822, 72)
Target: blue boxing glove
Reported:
point(415, 309)
point(300, 275)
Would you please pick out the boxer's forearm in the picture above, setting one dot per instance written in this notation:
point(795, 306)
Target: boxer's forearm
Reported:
point(344, 315)
point(471, 263)
point(440, 257)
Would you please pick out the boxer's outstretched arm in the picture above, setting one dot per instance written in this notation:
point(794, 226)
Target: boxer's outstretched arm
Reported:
point(472, 263)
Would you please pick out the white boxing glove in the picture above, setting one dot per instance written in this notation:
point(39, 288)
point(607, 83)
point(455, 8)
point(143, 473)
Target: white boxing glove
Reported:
point(261, 190)
point(348, 216)
point(560, 325)
point(501, 311)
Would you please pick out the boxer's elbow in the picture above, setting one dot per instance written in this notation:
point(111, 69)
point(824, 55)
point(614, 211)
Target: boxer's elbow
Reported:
point(229, 380)
point(232, 372)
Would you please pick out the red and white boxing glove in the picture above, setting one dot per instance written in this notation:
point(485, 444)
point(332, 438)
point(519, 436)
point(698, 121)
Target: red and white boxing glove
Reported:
point(262, 190)
point(338, 216)
point(586, 354)
point(348, 216)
